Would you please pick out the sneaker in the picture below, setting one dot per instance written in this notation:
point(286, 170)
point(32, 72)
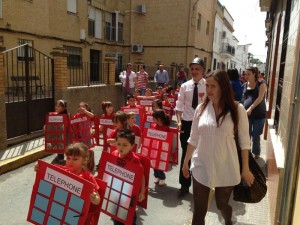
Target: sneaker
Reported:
point(161, 183)
point(156, 181)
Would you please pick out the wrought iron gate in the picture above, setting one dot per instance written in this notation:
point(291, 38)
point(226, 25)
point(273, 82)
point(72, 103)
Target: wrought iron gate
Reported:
point(29, 89)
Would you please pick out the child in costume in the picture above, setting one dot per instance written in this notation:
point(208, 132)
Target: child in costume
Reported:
point(77, 162)
point(120, 123)
point(160, 122)
point(135, 129)
point(125, 143)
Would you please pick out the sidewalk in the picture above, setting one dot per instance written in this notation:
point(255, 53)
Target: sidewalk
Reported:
point(21, 154)
point(245, 214)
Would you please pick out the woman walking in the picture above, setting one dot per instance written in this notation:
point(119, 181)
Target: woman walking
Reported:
point(254, 103)
point(212, 148)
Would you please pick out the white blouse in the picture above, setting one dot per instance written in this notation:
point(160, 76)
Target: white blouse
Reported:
point(215, 161)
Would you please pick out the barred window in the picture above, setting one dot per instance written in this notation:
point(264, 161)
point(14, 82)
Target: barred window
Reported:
point(74, 56)
point(21, 50)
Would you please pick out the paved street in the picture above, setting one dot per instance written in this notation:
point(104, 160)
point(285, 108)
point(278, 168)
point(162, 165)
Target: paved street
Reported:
point(164, 206)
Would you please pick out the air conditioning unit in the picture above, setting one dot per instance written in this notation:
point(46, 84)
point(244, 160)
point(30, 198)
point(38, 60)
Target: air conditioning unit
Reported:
point(141, 9)
point(137, 48)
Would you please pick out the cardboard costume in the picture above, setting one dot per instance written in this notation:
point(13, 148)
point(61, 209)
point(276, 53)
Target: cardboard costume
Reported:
point(57, 136)
point(61, 197)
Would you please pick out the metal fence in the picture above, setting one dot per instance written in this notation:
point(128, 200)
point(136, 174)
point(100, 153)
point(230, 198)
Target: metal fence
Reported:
point(29, 89)
point(88, 73)
point(28, 74)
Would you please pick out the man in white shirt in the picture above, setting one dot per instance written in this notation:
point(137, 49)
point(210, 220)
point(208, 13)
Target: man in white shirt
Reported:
point(190, 95)
point(129, 81)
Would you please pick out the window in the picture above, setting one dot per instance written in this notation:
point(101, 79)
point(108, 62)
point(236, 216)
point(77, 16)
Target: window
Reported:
point(91, 27)
point(215, 64)
point(72, 6)
point(74, 56)
point(120, 31)
point(95, 22)
point(21, 50)
point(120, 28)
point(224, 34)
point(199, 22)
point(1, 14)
point(207, 27)
point(108, 26)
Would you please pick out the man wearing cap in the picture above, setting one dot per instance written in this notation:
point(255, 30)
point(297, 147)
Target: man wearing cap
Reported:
point(191, 94)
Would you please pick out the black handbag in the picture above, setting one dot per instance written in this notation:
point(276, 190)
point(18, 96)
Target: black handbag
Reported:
point(258, 190)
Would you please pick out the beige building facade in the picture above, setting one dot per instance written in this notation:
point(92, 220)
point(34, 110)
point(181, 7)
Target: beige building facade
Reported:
point(168, 32)
point(95, 39)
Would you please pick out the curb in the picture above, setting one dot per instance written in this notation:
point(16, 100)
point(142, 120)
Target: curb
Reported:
point(16, 162)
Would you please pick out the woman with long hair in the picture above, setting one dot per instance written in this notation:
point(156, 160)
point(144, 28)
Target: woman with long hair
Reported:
point(254, 103)
point(212, 148)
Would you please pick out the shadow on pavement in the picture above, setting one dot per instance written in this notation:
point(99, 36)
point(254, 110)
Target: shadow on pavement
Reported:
point(170, 196)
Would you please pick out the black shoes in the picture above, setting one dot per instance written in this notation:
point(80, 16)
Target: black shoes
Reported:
point(183, 191)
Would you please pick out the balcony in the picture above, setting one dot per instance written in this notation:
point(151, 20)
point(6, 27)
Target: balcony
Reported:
point(227, 50)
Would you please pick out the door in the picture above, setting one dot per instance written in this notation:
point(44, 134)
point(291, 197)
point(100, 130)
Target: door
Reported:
point(94, 66)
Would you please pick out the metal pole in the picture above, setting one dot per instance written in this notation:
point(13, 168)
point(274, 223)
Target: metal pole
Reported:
point(27, 87)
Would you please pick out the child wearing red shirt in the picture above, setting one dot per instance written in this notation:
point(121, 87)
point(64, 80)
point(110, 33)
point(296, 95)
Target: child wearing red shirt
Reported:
point(77, 162)
point(159, 92)
point(135, 129)
point(60, 108)
point(84, 109)
point(125, 141)
point(120, 123)
point(167, 106)
point(108, 112)
point(162, 123)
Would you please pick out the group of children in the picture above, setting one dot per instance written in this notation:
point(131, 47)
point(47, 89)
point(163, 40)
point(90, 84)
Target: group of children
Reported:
point(124, 140)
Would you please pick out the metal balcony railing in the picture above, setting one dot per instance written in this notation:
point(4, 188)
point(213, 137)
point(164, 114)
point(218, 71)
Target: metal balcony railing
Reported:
point(228, 49)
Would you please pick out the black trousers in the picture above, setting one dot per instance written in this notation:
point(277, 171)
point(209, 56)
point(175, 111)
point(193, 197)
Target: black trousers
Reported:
point(184, 136)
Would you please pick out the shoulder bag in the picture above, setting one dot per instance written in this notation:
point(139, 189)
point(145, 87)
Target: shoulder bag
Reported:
point(258, 190)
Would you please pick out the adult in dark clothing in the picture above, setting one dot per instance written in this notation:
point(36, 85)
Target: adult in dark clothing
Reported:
point(236, 84)
point(191, 94)
point(254, 103)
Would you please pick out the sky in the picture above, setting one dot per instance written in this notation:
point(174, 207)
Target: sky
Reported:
point(249, 25)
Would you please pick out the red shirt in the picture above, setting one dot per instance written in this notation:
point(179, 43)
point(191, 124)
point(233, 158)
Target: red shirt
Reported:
point(137, 133)
point(113, 135)
point(161, 128)
point(168, 104)
point(82, 114)
point(136, 130)
point(131, 157)
point(105, 116)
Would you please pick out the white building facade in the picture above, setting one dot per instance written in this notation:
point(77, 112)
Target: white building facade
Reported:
point(241, 57)
point(227, 54)
point(224, 45)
